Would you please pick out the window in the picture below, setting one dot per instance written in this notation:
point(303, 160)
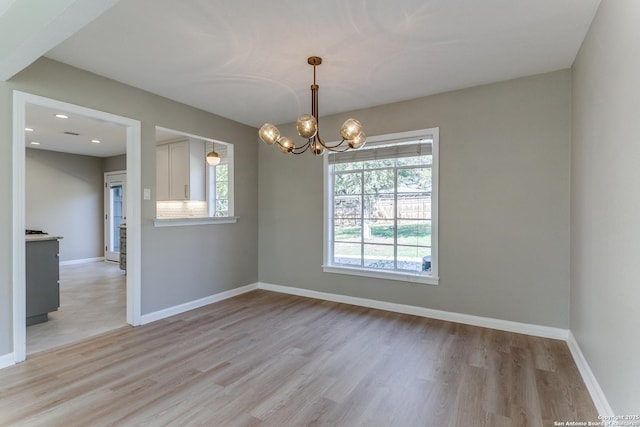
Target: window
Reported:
point(189, 190)
point(381, 208)
point(220, 202)
point(116, 197)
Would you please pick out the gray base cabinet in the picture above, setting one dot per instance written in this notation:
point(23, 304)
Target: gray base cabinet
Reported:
point(123, 247)
point(43, 280)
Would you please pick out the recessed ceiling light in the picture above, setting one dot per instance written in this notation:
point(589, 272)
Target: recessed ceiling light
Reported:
point(95, 141)
point(62, 116)
point(34, 143)
point(28, 129)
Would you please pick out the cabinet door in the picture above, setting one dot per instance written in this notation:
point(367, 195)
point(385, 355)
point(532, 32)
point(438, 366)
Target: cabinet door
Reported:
point(42, 275)
point(179, 171)
point(197, 170)
point(162, 172)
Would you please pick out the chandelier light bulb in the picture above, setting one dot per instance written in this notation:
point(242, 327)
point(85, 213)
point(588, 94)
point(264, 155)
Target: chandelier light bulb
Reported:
point(317, 148)
point(307, 126)
point(269, 133)
point(358, 141)
point(350, 129)
point(286, 144)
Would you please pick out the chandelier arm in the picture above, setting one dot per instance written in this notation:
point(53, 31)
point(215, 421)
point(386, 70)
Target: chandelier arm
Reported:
point(301, 149)
point(334, 146)
point(333, 149)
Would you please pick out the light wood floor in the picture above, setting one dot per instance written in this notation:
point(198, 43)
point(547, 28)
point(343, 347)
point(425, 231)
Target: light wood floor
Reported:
point(267, 359)
point(92, 301)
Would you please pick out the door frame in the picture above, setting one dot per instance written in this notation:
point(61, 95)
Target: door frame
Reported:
point(107, 199)
point(134, 207)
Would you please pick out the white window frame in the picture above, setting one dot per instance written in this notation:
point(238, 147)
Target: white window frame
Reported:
point(433, 277)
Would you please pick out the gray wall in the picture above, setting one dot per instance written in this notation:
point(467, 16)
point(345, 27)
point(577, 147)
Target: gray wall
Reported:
point(115, 163)
point(605, 202)
point(64, 196)
point(179, 264)
point(504, 203)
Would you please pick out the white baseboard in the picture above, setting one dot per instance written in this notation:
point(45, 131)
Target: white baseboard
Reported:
point(7, 360)
point(191, 305)
point(597, 395)
point(81, 261)
point(467, 319)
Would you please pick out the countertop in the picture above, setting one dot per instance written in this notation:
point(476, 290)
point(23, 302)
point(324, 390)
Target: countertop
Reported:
point(41, 237)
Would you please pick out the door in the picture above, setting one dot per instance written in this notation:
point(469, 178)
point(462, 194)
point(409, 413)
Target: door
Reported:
point(115, 187)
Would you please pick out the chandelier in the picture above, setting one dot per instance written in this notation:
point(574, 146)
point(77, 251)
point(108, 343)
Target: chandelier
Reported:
point(307, 127)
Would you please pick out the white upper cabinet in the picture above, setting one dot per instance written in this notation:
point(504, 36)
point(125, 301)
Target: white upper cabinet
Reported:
point(180, 170)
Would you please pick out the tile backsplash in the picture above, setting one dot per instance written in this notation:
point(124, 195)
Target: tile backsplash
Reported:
point(181, 209)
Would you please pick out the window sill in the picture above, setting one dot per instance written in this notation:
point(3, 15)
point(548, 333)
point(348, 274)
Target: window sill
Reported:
point(177, 222)
point(364, 272)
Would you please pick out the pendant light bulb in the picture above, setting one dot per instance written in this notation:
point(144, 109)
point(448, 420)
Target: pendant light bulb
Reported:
point(213, 158)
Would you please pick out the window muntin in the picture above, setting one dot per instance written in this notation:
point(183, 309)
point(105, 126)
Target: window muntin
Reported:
point(380, 207)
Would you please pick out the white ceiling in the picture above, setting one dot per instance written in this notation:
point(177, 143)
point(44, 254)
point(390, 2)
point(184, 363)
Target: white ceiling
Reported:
point(5, 4)
point(49, 131)
point(246, 59)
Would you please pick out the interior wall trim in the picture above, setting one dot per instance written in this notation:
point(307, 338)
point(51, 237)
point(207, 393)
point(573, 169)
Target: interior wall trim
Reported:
point(590, 381)
point(81, 261)
point(7, 360)
point(467, 319)
point(192, 305)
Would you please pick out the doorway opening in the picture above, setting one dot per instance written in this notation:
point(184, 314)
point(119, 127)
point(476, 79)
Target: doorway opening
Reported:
point(115, 216)
point(131, 199)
